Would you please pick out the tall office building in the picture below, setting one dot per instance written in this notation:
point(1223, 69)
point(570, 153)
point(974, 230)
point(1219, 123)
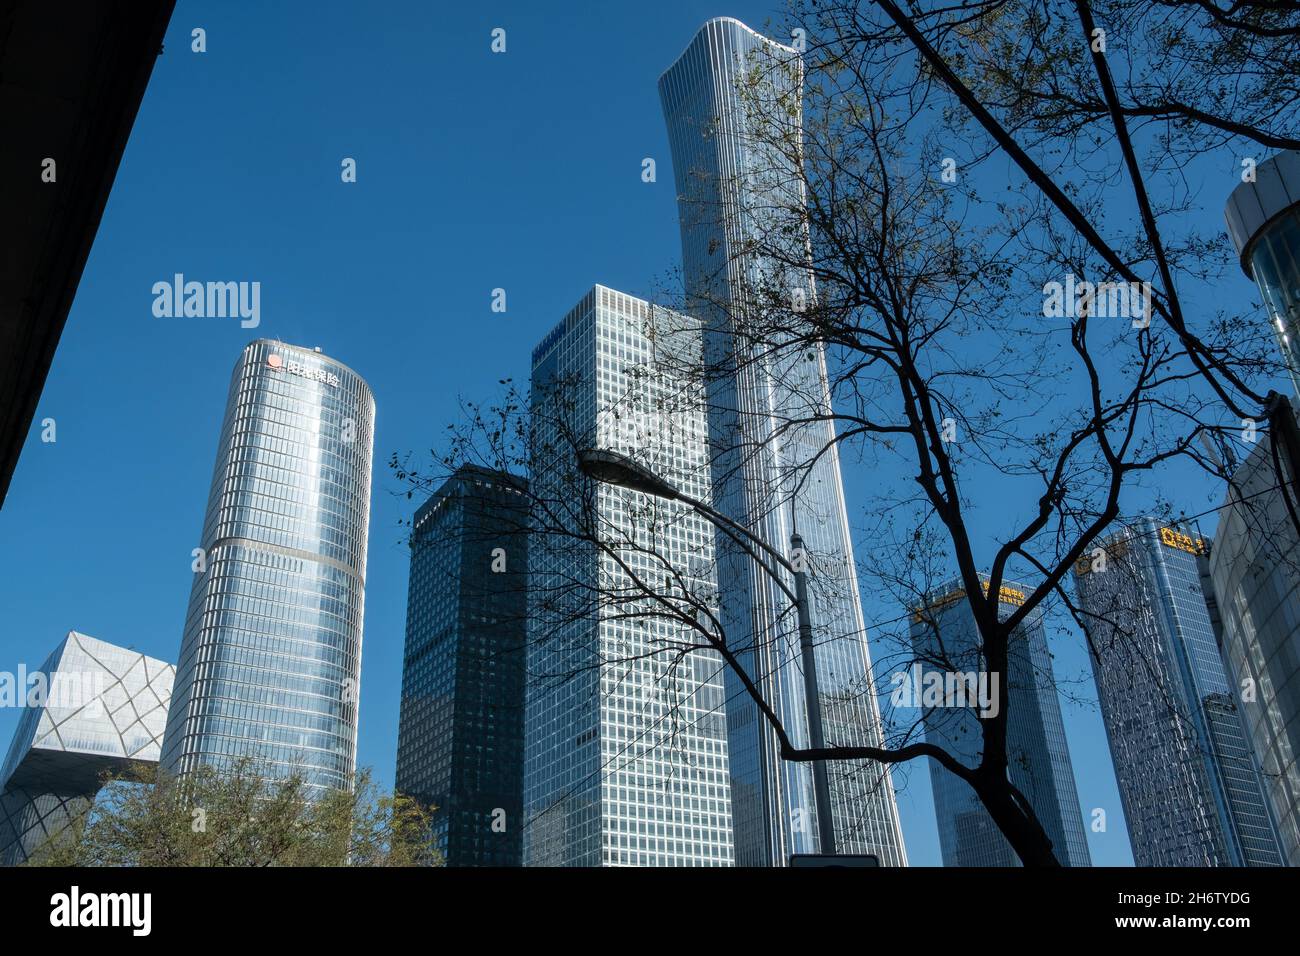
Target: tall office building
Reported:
point(91, 708)
point(1264, 224)
point(945, 638)
point(1255, 569)
point(461, 731)
point(270, 661)
point(625, 755)
point(734, 190)
point(1191, 792)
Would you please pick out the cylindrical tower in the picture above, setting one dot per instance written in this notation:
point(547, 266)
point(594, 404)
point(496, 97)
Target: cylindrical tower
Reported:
point(1264, 223)
point(270, 662)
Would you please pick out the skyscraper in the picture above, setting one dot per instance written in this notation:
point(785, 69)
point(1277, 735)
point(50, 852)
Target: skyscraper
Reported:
point(1255, 569)
point(1192, 795)
point(625, 755)
point(945, 638)
point(270, 660)
point(775, 466)
point(461, 732)
point(1264, 224)
point(92, 707)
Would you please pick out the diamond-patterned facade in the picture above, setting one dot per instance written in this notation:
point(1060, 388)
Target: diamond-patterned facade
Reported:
point(94, 707)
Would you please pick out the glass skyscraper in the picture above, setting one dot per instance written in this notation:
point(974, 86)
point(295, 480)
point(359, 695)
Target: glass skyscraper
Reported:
point(1255, 569)
point(1192, 795)
point(731, 191)
point(625, 755)
point(461, 732)
point(270, 661)
point(946, 639)
point(1264, 224)
point(100, 708)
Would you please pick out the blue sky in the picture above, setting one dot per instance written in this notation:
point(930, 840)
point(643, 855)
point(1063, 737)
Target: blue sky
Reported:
point(475, 171)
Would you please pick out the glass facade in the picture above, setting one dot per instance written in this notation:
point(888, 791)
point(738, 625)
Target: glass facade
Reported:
point(1191, 793)
point(1255, 569)
point(945, 639)
point(728, 185)
point(103, 707)
point(461, 732)
point(625, 756)
point(1264, 223)
point(270, 661)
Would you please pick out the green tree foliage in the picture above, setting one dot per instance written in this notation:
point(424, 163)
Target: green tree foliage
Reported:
point(242, 817)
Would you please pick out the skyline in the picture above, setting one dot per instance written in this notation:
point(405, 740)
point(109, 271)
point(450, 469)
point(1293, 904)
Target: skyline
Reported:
point(78, 490)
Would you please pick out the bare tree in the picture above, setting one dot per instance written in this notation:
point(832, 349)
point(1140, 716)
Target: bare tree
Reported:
point(945, 282)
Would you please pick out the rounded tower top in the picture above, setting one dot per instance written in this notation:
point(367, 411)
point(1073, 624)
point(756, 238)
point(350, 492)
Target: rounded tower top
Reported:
point(1254, 205)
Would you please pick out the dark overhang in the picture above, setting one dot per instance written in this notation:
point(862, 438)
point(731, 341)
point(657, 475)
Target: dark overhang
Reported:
point(72, 75)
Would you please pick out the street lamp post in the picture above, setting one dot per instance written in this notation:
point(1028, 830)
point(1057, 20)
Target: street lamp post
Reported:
point(821, 780)
point(615, 469)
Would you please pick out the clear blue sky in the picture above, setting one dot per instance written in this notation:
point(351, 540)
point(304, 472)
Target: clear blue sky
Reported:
point(475, 170)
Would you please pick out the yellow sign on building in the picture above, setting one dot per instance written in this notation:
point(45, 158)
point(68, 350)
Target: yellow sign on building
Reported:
point(1006, 595)
point(1173, 538)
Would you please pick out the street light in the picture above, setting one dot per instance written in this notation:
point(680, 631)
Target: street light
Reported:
point(613, 468)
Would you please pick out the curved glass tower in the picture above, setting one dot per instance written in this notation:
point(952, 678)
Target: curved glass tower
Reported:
point(1264, 224)
point(732, 192)
point(270, 662)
